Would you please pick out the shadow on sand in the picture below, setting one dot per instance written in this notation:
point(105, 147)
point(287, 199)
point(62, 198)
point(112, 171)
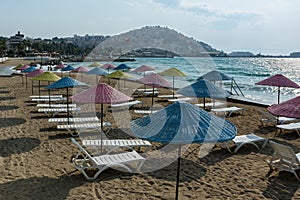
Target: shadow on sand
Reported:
point(6, 122)
point(17, 145)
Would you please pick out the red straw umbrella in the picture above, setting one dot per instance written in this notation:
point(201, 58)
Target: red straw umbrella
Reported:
point(290, 108)
point(280, 81)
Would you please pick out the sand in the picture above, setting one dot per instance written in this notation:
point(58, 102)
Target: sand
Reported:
point(35, 160)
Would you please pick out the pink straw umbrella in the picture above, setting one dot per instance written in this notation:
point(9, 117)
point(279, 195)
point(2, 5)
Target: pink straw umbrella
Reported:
point(154, 80)
point(108, 66)
point(33, 74)
point(101, 94)
point(290, 108)
point(280, 81)
point(81, 70)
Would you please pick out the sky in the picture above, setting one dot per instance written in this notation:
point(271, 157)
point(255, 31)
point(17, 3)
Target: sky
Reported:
point(259, 26)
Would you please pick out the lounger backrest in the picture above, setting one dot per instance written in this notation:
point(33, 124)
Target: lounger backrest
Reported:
point(285, 152)
point(82, 149)
point(267, 115)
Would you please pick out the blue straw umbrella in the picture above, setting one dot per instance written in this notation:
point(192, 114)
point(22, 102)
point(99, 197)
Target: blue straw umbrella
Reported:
point(97, 71)
point(183, 123)
point(122, 67)
point(28, 70)
point(202, 89)
point(66, 82)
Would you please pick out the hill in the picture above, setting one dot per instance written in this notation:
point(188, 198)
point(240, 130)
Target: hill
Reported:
point(151, 37)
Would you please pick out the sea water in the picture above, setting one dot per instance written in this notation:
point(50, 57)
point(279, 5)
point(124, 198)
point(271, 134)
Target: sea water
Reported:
point(245, 71)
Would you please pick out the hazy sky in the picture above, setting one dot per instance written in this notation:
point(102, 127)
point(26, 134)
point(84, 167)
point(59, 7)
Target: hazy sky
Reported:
point(266, 26)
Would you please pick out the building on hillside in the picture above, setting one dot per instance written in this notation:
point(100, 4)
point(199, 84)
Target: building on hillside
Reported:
point(15, 40)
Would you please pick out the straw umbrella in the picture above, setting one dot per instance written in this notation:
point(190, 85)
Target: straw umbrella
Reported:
point(33, 74)
point(108, 66)
point(97, 71)
point(122, 67)
point(202, 89)
point(95, 64)
point(69, 68)
point(183, 123)
point(173, 72)
point(119, 75)
point(66, 82)
point(154, 80)
point(81, 70)
point(101, 94)
point(290, 108)
point(28, 70)
point(278, 80)
point(21, 69)
point(46, 76)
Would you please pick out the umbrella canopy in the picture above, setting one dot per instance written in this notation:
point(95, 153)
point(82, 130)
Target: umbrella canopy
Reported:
point(183, 123)
point(68, 68)
point(154, 80)
point(29, 69)
point(290, 108)
point(80, 69)
point(97, 71)
point(94, 64)
point(35, 73)
point(143, 68)
point(60, 66)
point(118, 75)
point(23, 67)
point(215, 76)
point(101, 94)
point(173, 72)
point(18, 66)
point(122, 67)
point(108, 66)
point(204, 89)
point(66, 82)
point(278, 80)
point(46, 76)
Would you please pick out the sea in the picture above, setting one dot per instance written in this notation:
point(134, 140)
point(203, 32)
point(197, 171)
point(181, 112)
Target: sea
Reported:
point(245, 71)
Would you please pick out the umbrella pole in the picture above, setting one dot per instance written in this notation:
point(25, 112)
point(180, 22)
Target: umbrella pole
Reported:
point(49, 96)
point(204, 103)
point(173, 88)
point(152, 98)
point(68, 114)
point(39, 88)
point(278, 95)
point(178, 173)
point(26, 81)
point(32, 87)
point(101, 125)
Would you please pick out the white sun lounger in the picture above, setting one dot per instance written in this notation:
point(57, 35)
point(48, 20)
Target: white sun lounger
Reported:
point(45, 96)
point(284, 158)
point(83, 161)
point(146, 89)
point(74, 119)
point(56, 105)
point(180, 99)
point(251, 138)
point(127, 104)
point(290, 126)
point(83, 127)
point(211, 104)
point(228, 110)
point(117, 143)
point(145, 111)
point(170, 96)
point(55, 111)
point(51, 99)
point(150, 92)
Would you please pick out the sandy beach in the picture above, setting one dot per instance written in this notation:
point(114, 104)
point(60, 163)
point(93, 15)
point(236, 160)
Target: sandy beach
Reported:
point(35, 159)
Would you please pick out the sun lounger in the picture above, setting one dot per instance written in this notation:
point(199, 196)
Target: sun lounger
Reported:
point(146, 89)
point(170, 96)
point(228, 110)
point(266, 118)
point(149, 93)
point(56, 105)
point(46, 96)
point(127, 104)
point(284, 158)
point(211, 104)
point(55, 111)
point(117, 143)
point(180, 99)
point(51, 99)
point(251, 138)
point(83, 161)
point(75, 119)
point(82, 127)
point(290, 126)
point(145, 111)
